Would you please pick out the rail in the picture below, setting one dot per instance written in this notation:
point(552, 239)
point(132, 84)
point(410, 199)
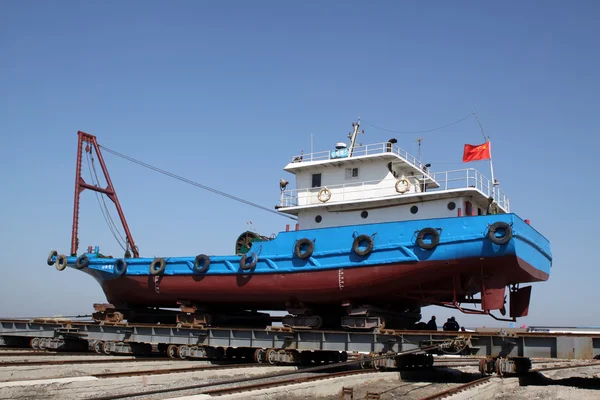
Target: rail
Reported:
point(362, 150)
point(379, 189)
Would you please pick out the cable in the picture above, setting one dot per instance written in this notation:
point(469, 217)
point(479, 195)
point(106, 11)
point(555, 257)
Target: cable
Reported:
point(100, 204)
point(426, 131)
point(116, 229)
point(172, 175)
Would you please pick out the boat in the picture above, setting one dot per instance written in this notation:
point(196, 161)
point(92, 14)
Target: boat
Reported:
point(378, 237)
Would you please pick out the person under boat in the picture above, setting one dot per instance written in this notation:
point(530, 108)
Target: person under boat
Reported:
point(451, 325)
point(431, 325)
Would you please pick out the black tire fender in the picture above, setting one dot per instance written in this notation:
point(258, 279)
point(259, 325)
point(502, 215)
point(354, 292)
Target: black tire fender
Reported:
point(61, 262)
point(495, 227)
point(82, 262)
point(244, 259)
point(120, 267)
point(356, 245)
point(52, 254)
point(298, 248)
point(157, 266)
point(201, 263)
point(434, 242)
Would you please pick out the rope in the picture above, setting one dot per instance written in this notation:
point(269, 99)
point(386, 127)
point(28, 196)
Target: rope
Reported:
point(188, 181)
point(426, 131)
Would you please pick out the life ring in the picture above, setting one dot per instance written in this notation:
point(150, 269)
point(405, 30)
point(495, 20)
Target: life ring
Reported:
point(61, 262)
point(120, 267)
point(161, 267)
point(309, 250)
point(434, 241)
point(82, 262)
point(502, 239)
point(201, 263)
point(360, 239)
point(52, 254)
point(405, 183)
point(324, 195)
point(244, 258)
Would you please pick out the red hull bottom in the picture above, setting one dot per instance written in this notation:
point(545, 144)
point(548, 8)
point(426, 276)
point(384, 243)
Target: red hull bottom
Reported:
point(395, 286)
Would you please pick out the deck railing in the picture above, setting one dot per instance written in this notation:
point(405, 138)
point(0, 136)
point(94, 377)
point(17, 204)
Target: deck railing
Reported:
point(365, 150)
point(448, 180)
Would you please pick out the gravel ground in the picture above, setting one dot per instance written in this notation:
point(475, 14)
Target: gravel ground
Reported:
point(548, 393)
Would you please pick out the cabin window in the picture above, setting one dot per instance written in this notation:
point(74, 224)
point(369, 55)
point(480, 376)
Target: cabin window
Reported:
point(414, 209)
point(451, 206)
point(351, 173)
point(364, 214)
point(316, 180)
point(318, 219)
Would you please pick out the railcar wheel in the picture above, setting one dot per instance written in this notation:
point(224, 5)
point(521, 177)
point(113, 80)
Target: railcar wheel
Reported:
point(35, 343)
point(183, 352)
point(271, 356)
point(98, 347)
point(106, 348)
point(259, 356)
point(172, 351)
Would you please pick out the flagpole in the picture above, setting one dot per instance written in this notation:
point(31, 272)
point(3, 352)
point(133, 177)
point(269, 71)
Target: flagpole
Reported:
point(487, 139)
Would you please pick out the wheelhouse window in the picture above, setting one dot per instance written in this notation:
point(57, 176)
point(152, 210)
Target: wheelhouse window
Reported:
point(316, 180)
point(351, 173)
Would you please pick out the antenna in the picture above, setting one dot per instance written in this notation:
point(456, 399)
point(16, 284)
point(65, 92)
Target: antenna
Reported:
point(419, 140)
point(485, 139)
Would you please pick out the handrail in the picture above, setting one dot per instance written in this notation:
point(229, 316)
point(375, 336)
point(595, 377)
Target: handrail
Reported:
point(364, 150)
point(448, 180)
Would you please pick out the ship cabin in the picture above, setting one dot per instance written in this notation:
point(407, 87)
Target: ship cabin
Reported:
point(363, 184)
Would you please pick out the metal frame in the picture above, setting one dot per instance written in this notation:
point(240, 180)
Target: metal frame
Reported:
point(81, 185)
point(513, 343)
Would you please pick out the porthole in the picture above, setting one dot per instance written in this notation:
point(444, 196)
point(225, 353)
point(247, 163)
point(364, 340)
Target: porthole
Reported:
point(318, 219)
point(414, 209)
point(364, 214)
point(451, 206)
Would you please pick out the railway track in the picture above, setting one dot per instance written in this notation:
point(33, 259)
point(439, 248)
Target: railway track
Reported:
point(204, 387)
point(4, 364)
point(285, 382)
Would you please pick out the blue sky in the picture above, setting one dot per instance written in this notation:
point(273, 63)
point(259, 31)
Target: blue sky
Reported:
point(225, 93)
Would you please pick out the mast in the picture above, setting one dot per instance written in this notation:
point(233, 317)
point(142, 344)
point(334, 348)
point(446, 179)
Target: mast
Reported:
point(487, 139)
point(353, 136)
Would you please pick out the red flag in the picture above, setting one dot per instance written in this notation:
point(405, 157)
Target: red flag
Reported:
point(478, 152)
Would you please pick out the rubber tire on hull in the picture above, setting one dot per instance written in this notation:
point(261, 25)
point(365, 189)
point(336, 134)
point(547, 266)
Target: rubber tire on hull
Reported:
point(162, 265)
point(243, 260)
point(61, 262)
point(434, 242)
point(298, 248)
point(82, 262)
point(356, 245)
point(120, 267)
point(52, 254)
point(495, 227)
point(201, 263)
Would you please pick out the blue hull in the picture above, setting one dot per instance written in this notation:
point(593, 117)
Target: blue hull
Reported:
point(393, 243)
